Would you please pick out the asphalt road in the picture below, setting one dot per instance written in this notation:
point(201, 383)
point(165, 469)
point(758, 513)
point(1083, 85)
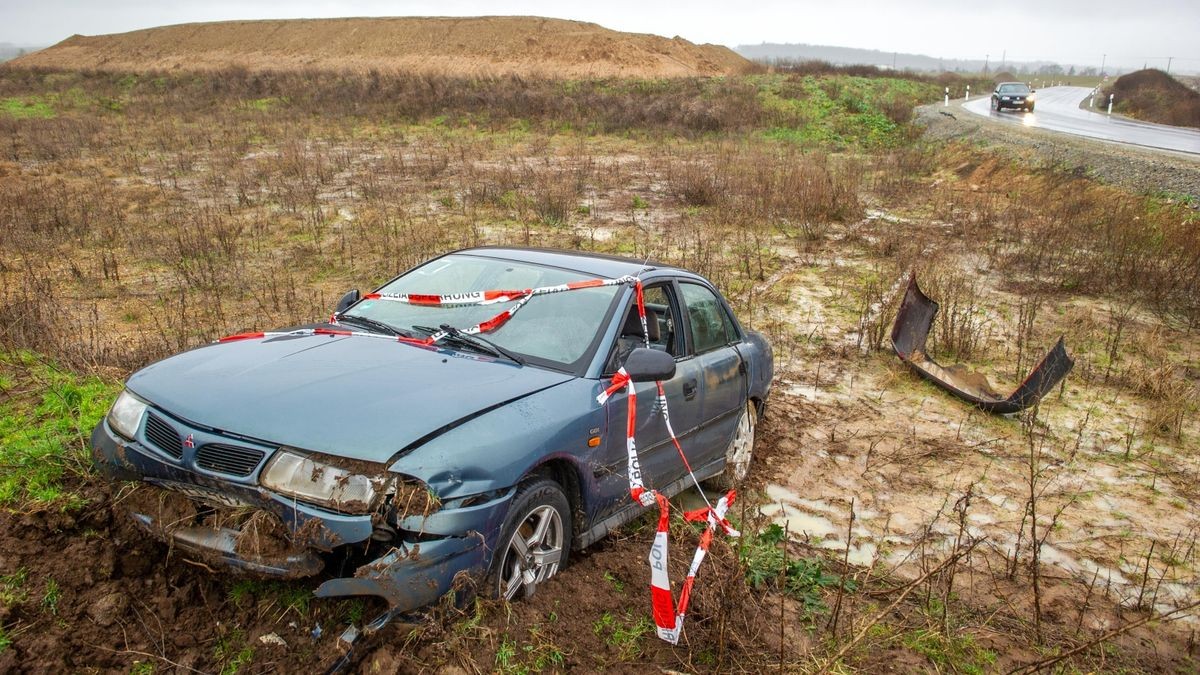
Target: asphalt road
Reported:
point(1058, 110)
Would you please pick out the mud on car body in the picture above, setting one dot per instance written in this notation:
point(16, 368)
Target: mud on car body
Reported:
point(390, 469)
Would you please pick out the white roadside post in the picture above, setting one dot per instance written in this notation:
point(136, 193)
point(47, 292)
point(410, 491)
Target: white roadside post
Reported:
point(1110, 100)
point(947, 105)
point(967, 97)
point(1092, 103)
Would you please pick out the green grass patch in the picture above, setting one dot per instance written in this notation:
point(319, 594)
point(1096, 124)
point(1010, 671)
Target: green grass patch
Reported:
point(26, 108)
point(536, 656)
point(625, 635)
point(12, 588)
point(805, 580)
point(264, 104)
point(284, 595)
point(51, 597)
point(46, 420)
point(232, 652)
point(840, 111)
point(957, 652)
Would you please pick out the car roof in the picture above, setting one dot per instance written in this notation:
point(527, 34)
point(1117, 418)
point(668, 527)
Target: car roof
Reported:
point(1004, 83)
point(595, 264)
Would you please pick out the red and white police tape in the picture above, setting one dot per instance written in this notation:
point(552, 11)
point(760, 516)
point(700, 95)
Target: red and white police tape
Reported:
point(668, 616)
point(479, 298)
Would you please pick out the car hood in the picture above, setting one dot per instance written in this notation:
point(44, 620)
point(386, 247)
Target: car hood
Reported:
point(353, 397)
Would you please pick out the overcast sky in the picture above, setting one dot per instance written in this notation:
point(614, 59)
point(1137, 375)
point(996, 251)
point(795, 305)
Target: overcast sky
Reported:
point(1068, 31)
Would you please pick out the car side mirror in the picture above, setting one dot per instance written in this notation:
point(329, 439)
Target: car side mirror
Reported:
point(649, 365)
point(348, 299)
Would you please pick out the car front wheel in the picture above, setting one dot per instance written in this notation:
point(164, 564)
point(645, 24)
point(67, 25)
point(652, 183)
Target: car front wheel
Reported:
point(534, 542)
point(739, 452)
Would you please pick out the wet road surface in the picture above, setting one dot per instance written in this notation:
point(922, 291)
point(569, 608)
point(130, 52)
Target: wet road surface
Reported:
point(1058, 109)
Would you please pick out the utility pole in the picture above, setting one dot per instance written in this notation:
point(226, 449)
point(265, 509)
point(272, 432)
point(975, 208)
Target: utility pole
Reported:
point(986, 58)
point(1003, 58)
point(1103, 59)
point(893, 60)
point(1169, 59)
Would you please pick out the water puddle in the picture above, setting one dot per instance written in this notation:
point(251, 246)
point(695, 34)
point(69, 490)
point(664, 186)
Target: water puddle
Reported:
point(812, 521)
point(799, 524)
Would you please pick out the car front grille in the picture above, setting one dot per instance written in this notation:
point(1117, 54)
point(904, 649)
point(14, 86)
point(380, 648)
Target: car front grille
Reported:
point(229, 459)
point(163, 436)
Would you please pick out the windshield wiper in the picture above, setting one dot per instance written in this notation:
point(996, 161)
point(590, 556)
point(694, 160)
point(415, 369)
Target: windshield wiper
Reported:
point(373, 323)
point(478, 342)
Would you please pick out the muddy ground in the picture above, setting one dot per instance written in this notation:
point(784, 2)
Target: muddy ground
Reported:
point(124, 601)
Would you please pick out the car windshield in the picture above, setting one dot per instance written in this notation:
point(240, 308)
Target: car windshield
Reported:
point(1016, 88)
point(558, 328)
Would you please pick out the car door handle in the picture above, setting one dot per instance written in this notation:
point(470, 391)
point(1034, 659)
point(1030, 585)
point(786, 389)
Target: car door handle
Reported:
point(689, 390)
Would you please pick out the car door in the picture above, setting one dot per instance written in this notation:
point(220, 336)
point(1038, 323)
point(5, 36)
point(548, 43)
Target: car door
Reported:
point(660, 461)
point(712, 344)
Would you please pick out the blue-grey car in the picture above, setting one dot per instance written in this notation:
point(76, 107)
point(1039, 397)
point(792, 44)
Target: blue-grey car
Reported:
point(391, 468)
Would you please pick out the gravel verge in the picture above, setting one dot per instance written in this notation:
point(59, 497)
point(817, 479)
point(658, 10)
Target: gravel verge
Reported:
point(1138, 169)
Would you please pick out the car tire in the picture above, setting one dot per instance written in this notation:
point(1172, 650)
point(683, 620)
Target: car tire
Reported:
point(1030, 108)
point(525, 557)
point(739, 452)
point(995, 105)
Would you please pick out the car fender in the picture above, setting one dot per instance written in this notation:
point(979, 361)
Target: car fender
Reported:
point(756, 350)
point(495, 450)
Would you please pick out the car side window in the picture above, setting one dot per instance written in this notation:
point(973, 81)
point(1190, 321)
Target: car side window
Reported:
point(710, 323)
point(661, 321)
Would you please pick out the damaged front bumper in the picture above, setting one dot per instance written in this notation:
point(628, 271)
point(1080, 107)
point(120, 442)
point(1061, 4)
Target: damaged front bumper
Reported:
point(909, 333)
point(409, 562)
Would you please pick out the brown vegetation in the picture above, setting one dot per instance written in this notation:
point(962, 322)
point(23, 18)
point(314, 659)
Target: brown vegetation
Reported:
point(444, 46)
point(1155, 96)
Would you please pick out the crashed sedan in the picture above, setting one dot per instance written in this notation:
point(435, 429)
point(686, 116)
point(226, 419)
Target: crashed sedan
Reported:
point(437, 428)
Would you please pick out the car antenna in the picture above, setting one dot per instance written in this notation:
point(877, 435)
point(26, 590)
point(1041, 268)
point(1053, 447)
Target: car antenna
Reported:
point(645, 266)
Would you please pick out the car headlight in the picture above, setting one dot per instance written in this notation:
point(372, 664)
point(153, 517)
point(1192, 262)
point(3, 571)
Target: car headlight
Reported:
point(125, 416)
point(322, 483)
point(1030, 97)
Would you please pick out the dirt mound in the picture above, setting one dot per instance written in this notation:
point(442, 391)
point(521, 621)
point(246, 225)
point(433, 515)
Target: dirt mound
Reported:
point(1155, 96)
point(476, 46)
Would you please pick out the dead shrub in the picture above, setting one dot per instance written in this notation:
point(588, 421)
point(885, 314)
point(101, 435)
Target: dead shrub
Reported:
point(696, 183)
point(1173, 399)
point(960, 327)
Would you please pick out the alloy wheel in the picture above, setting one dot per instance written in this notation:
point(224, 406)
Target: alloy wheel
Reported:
point(741, 448)
point(533, 553)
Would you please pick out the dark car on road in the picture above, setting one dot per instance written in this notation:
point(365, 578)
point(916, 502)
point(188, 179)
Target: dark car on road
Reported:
point(391, 449)
point(1013, 95)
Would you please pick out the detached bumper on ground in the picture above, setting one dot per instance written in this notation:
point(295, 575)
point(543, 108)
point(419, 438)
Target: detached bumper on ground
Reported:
point(913, 321)
point(410, 562)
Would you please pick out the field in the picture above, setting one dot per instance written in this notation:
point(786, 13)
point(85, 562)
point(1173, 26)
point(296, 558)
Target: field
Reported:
point(886, 524)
